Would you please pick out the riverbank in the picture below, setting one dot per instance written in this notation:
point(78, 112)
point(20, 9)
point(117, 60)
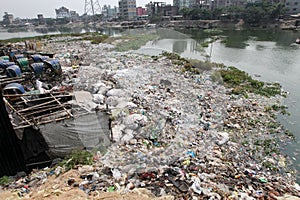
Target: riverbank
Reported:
point(78, 27)
point(176, 132)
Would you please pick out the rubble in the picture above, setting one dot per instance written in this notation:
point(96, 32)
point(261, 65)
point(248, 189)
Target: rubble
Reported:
point(176, 135)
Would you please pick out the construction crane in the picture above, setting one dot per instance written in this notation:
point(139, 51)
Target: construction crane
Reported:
point(92, 7)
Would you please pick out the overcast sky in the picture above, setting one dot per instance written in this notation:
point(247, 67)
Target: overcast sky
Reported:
point(30, 8)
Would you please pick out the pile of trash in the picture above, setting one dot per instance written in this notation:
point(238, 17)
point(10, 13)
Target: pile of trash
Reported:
point(177, 135)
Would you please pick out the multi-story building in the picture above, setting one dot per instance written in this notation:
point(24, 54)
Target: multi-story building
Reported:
point(62, 13)
point(109, 13)
point(74, 16)
point(292, 6)
point(183, 3)
point(8, 18)
point(162, 10)
point(141, 11)
point(41, 19)
point(155, 8)
point(226, 3)
point(127, 9)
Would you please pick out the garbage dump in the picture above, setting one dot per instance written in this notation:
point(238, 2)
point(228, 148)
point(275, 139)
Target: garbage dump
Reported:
point(176, 135)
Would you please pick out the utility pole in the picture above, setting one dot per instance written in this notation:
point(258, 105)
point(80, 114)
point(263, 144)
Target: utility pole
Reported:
point(92, 7)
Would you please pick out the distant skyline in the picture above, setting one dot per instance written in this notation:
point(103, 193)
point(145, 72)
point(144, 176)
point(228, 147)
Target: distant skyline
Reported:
point(31, 8)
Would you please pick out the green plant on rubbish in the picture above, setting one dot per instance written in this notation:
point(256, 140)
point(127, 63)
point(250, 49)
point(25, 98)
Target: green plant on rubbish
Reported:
point(77, 157)
point(241, 83)
point(111, 189)
point(5, 180)
point(282, 109)
point(130, 42)
point(81, 36)
point(189, 65)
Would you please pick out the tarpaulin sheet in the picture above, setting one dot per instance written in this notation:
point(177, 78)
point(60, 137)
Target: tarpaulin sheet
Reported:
point(88, 131)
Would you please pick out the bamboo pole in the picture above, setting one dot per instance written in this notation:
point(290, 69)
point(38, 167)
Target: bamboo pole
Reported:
point(21, 127)
point(40, 99)
point(13, 81)
point(47, 115)
point(18, 113)
point(54, 120)
point(43, 110)
point(38, 163)
point(37, 106)
point(70, 114)
point(9, 79)
point(45, 98)
point(23, 95)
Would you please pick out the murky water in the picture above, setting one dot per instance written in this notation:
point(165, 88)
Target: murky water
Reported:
point(271, 55)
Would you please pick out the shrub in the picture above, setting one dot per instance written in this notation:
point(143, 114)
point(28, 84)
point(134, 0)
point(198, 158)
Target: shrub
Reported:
point(77, 157)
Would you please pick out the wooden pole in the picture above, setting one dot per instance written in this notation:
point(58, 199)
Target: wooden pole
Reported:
point(11, 107)
point(37, 106)
point(43, 110)
point(70, 114)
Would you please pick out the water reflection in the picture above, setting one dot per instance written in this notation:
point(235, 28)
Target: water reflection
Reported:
point(179, 46)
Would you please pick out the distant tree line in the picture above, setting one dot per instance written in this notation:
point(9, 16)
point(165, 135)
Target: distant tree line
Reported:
point(252, 13)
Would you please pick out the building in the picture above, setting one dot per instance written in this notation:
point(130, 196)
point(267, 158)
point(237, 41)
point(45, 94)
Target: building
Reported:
point(8, 18)
point(74, 16)
point(41, 19)
point(141, 11)
point(161, 9)
point(183, 3)
point(110, 13)
point(127, 9)
point(155, 8)
point(227, 3)
point(62, 13)
point(292, 6)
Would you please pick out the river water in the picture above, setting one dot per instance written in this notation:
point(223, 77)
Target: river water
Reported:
point(270, 55)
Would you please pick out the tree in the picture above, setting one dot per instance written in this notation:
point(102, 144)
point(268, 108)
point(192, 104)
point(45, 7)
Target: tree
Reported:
point(253, 15)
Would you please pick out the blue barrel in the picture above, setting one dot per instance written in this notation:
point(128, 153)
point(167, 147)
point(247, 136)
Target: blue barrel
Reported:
point(8, 64)
point(14, 88)
point(39, 58)
point(18, 56)
point(54, 65)
point(24, 64)
point(13, 71)
point(2, 64)
point(37, 68)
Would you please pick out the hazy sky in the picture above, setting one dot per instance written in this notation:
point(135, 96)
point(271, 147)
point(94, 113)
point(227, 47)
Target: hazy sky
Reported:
point(30, 8)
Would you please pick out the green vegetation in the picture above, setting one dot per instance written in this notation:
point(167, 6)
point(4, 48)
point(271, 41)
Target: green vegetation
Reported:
point(282, 109)
point(242, 83)
point(270, 166)
point(77, 157)
point(289, 133)
point(189, 65)
point(213, 31)
point(269, 146)
point(95, 38)
point(130, 42)
point(252, 13)
point(5, 180)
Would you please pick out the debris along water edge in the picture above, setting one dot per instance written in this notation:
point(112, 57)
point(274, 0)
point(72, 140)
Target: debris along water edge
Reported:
point(176, 133)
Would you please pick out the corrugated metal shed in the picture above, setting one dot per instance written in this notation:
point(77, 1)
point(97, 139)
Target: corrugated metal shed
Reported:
point(12, 160)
